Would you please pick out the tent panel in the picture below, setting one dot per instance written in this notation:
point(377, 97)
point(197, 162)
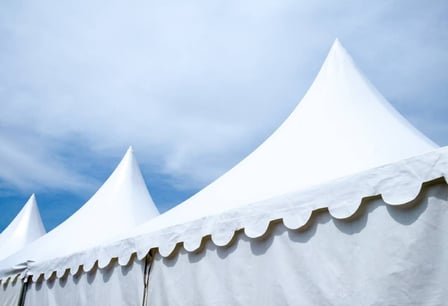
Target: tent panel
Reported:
point(10, 292)
point(385, 256)
point(120, 204)
point(26, 227)
point(342, 126)
point(113, 285)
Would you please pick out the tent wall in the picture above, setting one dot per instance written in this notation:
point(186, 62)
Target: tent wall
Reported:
point(384, 255)
point(10, 292)
point(114, 285)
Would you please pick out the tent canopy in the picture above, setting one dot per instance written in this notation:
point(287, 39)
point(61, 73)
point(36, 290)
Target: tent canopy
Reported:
point(120, 204)
point(342, 143)
point(26, 227)
point(342, 126)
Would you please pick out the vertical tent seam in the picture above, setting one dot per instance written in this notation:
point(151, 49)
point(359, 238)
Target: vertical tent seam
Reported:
point(148, 264)
point(24, 290)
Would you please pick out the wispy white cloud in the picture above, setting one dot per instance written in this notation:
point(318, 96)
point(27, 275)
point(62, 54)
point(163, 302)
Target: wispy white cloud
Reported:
point(194, 86)
point(26, 165)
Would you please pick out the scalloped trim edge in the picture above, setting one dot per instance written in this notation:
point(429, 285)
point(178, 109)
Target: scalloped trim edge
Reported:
point(397, 184)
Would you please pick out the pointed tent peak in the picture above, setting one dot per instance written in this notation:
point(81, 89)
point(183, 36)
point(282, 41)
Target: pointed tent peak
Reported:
point(30, 209)
point(338, 53)
point(342, 126)
point(130, 150)
point(125, 183)
point(31, 215)
point(35, 212)
point(336, 44)
point(341, 92)
point(338, 59)
point(128, 166)
point(120, 204)
point(123, 197)
point(26, 227)
point(343, 110)
point(129, 157)
point(32, 200)
point(128, 170)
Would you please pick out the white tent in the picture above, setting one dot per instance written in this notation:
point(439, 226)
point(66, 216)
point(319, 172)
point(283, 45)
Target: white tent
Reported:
point(26, 227)
point(287, 224)
point(327, 211)
point(121, 203)
point(330, 210)
point(342, 126)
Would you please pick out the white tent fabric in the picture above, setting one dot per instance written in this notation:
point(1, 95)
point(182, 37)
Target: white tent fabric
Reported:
point(397, 183)
point(386, 255)
point(119, 205)
point(10, 292)
point(342, 126)
point(26, 227)
point(112, 285)
point(342, 144)
point(306, 239)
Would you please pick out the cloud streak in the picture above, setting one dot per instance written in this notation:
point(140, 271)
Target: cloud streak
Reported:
point(25, 166)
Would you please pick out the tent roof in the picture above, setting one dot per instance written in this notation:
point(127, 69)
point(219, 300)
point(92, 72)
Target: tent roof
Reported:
point(342, 126)
point(26, 227)
point(342, 143)
point(120, 204)
point(397, 183)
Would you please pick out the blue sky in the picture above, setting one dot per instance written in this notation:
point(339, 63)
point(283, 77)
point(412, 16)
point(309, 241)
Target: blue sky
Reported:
point(193, 86)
